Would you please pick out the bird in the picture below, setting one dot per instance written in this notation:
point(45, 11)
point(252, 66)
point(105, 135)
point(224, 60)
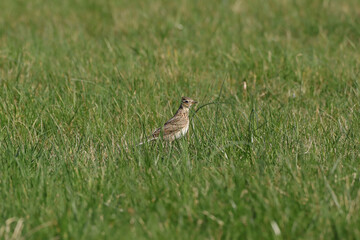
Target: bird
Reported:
point(177, 126)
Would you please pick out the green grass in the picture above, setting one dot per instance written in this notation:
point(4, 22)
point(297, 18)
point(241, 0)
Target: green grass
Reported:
point(279, 160)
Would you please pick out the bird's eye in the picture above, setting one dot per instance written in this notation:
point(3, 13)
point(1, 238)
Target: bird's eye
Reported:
point(186, 101)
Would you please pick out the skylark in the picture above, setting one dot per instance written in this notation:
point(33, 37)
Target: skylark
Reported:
point(178, 125)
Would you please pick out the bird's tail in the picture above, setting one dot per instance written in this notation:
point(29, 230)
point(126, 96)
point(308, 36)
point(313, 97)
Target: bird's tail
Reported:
point(126, 147)
point(148, 140)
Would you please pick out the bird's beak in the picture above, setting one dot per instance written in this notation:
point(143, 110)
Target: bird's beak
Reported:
point(195, 102)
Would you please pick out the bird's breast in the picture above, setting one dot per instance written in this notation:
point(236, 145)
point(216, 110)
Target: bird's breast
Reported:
point(182, 132)
point(185, 129)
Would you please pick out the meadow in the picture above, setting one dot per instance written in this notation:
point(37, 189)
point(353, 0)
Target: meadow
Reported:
point(273, 155)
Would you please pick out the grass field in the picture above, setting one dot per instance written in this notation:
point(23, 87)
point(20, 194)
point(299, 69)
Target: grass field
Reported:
point(81, 80)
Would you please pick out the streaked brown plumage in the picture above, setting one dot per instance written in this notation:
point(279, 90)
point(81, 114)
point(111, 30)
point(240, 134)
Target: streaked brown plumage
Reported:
point(178, 125)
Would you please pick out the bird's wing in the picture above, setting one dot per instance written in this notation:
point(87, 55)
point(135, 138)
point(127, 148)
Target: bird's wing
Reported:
point(175, 124)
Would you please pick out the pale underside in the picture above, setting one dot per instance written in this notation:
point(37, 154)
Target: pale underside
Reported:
point(180, 133)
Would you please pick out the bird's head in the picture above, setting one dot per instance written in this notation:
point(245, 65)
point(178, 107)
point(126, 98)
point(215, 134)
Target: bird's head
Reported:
point(187, 102)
